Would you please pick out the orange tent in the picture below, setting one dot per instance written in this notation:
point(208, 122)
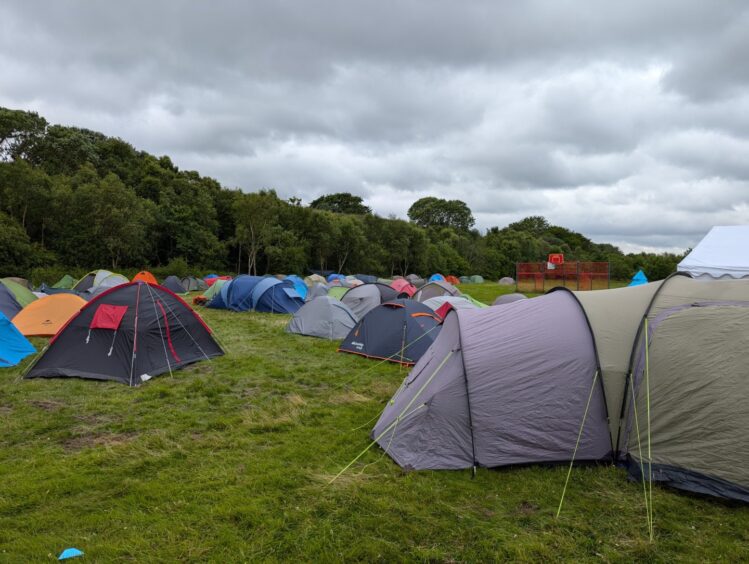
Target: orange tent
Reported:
point(145, 276)
point(46, 316)
point(452, 280)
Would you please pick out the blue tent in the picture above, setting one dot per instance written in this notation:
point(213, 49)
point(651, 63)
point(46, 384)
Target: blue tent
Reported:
point(639, 279)
point(332, 277)
point(238, 295)
point(436, 277)
point(299, 285)
point(276, 296)
point(367, 278)
point(14, 347)
point(9, 305)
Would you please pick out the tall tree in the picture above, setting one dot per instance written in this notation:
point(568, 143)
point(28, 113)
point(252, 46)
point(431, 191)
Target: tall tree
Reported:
point(436, 212)
point(255, 215)
point(342, 202)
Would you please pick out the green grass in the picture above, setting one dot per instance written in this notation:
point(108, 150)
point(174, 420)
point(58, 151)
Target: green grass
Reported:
point(229, 461)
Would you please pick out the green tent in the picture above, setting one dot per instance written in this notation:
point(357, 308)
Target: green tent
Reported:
point(474, 301)
point(66, 282)
point(337, 291)
point(23, 296)
point(476, 279)
point(214, 289)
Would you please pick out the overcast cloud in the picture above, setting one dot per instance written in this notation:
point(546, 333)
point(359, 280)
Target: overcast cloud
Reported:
point(628, 121)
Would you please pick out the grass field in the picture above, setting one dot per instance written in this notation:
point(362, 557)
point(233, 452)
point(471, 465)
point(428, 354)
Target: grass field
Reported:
point(229, 461)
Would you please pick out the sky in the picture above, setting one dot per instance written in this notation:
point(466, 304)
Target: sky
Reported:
point(626, 121)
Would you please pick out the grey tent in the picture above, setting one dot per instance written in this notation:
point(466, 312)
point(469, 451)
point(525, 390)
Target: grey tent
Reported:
point(434, 289)
point(509, 298)
point(318, 289)
point(192, 284)
point(477, 279)
point(323, 317)
point(506, 281)
point(509, 370)
point(9, 305)
point(366, 278)
point(465, 280)
point(458, 302)
point(416, 280)
point(362, 299)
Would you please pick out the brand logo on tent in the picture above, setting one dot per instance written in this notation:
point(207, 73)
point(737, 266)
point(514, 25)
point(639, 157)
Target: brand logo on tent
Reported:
point(359, 346)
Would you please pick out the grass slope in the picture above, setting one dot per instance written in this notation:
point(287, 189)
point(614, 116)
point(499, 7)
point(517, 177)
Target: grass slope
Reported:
point(229, 461)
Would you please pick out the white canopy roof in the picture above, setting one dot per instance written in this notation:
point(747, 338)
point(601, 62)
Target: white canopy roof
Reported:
point(724, 252)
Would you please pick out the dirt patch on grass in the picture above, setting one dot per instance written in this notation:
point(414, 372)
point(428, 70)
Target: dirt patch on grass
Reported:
point(47, 405)
point(106, 440)
point(527, 508)
point(348, 397)
point(6, 410)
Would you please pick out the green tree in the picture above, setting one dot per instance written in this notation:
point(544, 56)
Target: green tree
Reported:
point(255, 216)
point(342, 202)
point(19, 132)
point(436, 212)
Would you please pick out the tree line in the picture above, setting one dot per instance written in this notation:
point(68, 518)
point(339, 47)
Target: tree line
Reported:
point(76, 198)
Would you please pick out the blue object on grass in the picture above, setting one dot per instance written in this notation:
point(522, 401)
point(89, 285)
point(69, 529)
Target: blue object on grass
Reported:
point(70, 553)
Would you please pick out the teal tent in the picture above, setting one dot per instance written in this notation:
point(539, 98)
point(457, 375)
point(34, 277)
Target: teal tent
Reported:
point(14, 347)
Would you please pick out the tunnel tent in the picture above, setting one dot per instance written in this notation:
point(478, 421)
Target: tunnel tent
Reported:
point(323, 317)
point(509, 298)
point(399, 331)
point(433, 289)
point(23, 295)
point(101, 340)
point(366, 297)
point(14, 347)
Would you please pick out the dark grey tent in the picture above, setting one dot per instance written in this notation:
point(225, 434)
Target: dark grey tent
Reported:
point(127, 334)
point(416, 280)
point(509, 298)
point(362, 299)
point(366, 278)
point(173, 284)
point(9, 305)
point(324, 317)
point(399, 331)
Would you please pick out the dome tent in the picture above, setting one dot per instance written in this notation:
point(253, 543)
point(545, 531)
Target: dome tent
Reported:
point(101, 340)
point(433, 289)
point(46, 316)
point(145, 276)
point(14, 347)
point(366, 297)
point(399, 331)
point(193, 284)
point(366, 278)
point(317, 290)
point(436, 277)
point(403, 286)
point(299, 285)
point(9, 305)
point(638, 279)
point(506, 281)
point(23, 295)
point(173, 284)
point(323, 317)
point(65, 283)
point(477, 279)
point(97, 280)
point(257, 293)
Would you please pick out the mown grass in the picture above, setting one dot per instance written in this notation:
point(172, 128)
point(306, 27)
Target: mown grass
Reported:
point(230, 461)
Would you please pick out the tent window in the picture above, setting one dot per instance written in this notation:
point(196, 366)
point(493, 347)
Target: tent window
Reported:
point(108, 317)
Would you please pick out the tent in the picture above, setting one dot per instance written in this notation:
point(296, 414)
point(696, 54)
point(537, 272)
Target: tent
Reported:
point(366, 278)
point(210, 292)
point(506, 281)
point(145, 276)
point(192, 284)
point(21, 282)
point(299, 285)
point(66, 282)
point(416, 280)
point(335, 276)
point(23, 295)
point(476, 279)
point(9, 305)
point(638, 279)
point(454, 280)
point(323, 317)
point(432, 289)
point(14, 347)
point(509, 298)
point(211, 279)
point(721, 253)
point(98, 281)
point(457, 302)
point(436, 277)
point(49, 290)
point(46, 316)
point(318, 290)
point(366, 297)
point(337, 291)
point(174, 284)
point(258, 293)
point(353, 281)
point(403, 286)
point(400, 331)
point(313, 279)
point(101, 341)
point(465, 280)
point(509, 385)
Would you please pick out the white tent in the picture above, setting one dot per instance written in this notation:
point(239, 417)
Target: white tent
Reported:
point(724, 252)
